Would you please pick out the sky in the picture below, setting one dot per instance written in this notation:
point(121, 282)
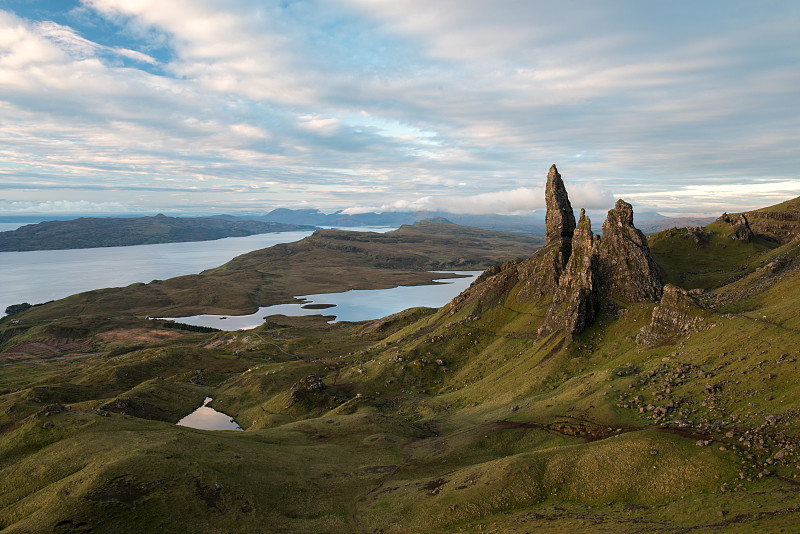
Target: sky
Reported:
point(239, 106)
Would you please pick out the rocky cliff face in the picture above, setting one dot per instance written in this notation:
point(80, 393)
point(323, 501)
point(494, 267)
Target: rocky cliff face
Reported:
point(780, 222)
point(626, 268)
point(575, 302)
point(676, 314)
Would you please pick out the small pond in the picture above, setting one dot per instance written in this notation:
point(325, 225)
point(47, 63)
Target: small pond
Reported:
point(353, 305)
point(206, 418)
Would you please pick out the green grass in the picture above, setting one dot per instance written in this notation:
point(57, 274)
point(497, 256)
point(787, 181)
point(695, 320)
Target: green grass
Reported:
point(707, 266)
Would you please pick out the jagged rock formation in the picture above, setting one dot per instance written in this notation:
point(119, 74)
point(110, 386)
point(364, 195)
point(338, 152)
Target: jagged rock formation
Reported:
point(574, 270)
point(740, 226)
point(617, 266)
point(676, 314)
point(627, 270)
point(575, 302)
point(780, 222)
point(560, 219)
point(541, 275)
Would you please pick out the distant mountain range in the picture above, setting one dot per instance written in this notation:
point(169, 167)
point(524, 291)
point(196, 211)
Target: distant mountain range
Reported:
point(648, 222)
point(91, 232)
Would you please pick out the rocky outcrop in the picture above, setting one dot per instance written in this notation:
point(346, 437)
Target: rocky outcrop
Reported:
point(17, 308)
point(309, 390)
point(135, 408)
point(701, 237)
point(677, 314)
point(560, 219)
point(627, 270)
point(740, 226)
point(575, 302)
point(542, 273)
point(574, 270)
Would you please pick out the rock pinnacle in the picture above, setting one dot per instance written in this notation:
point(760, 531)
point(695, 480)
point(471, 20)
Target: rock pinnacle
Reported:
point(560, 220)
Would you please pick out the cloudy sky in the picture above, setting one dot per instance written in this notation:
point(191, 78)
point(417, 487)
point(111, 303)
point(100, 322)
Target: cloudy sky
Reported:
point(208, 106)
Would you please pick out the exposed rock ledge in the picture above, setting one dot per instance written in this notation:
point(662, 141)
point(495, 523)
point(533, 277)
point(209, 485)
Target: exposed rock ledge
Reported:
point(676, 314)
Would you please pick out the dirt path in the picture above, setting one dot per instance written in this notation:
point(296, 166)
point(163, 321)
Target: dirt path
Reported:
point(276, 346)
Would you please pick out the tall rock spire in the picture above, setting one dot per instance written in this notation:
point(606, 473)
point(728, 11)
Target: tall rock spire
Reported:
point(575, 270)
point(626, 267)
point(575, 302)
point(560, 220)
point(541, 275)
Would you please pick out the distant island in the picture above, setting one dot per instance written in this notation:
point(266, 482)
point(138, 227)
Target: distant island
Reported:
point(92, 232)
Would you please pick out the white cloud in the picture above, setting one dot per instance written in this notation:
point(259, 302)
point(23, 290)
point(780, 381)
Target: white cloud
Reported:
point(361, 209)
point(65, 207)
point(516, 201)
point(360, 101)
point(135, 55)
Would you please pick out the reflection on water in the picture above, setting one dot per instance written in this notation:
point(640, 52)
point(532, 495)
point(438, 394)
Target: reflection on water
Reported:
point(206, 418)
point(353, 305)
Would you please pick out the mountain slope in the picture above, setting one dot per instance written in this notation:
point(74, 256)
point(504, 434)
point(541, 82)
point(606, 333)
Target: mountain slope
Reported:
point(781, 221)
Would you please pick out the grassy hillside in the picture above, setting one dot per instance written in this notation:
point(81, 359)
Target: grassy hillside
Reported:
point(706, 258)
point(458, 419)
point(90, 232)
point(780, 222)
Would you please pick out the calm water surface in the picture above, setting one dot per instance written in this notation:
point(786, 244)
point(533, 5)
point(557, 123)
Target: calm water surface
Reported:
point(43, 275)
point(206, 418)
point(353, 305)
